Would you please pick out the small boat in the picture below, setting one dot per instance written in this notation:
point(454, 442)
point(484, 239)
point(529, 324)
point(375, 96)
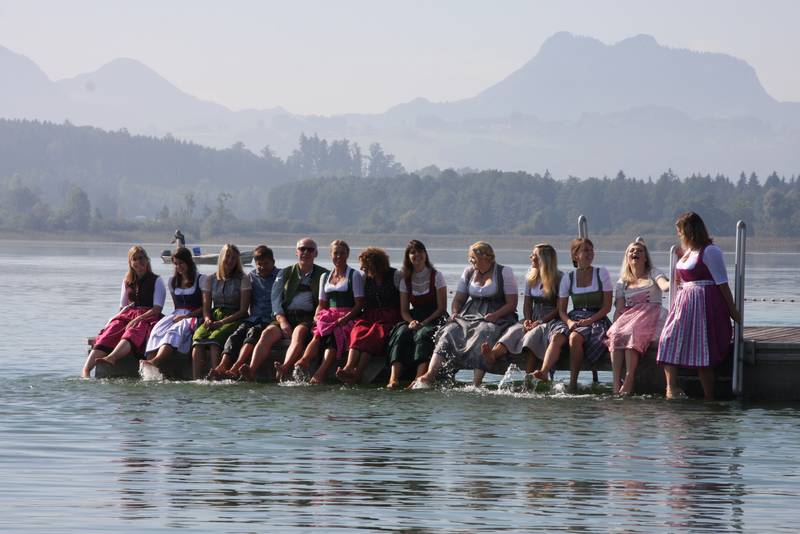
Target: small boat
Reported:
point(206, 259)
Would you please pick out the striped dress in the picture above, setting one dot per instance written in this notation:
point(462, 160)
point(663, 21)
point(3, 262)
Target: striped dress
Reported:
point(698, 328)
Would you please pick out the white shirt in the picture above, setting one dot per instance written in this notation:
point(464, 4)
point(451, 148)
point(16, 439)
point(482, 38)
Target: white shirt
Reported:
point(605, 282)
point(475, 290)
point(358, 284)
point(421, 281)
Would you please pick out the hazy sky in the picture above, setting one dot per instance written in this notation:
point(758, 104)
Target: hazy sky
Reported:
point(338, 56)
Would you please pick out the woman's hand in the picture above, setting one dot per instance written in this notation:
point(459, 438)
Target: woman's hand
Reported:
point(134, 321)
point(413, 325)
point(529, 325)
point(180, 317)
point(491, 317)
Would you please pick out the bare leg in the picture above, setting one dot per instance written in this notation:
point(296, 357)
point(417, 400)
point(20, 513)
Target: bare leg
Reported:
point(531, 362)
point(617, 360)
point(224, 363)
point(706, 375)
point(394, 376)
point(164, 352)
point(328, 357)
point(631, 361)
point(310, 354)
point(91, 361)
point(490, 355)
point(422, 369)
point(363, 361)
point(551, 357)
point(575, 359)
point(296, 346)
point(671, 375)
point(215, 351)
point(271, 335)
point(477, 377)
point(433, 368)
point(348, 371)
point(245, 353)
point(198, 361)
point(122, 349)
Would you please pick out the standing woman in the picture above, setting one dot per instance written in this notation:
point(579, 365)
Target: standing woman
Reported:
point(381, 313)
point(484, 306)
point(174, 332)
point(541, 324)
point(341, 297)
point(423, 305)
point(141, 301)
point(698, 330)
point(637, 311)
point(226, 300)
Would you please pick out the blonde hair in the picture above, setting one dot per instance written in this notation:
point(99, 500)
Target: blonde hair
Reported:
point(547, 273)
point(626, 275)
point(130, 277)
point(238, 270)
point(482, 248)
point(337, 243)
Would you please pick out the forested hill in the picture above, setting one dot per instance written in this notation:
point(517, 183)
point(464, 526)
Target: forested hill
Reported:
point(494, 202)
point(113, 166)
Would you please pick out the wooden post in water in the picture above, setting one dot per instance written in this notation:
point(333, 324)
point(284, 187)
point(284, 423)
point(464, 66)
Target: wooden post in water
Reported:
point(738, 299)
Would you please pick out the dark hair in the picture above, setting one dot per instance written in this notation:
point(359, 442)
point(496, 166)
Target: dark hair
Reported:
point(263, 252)
point(185, 255)
point(575, 245)
point(419, 247)
point(374, 261)
point(693, 230)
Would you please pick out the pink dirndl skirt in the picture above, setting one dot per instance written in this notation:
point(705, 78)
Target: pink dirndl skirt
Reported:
point(636, 328)
point(325, 325)
point(369, 333)
point(117, 329)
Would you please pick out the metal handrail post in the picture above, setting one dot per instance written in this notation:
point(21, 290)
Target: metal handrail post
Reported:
point(583, 227)
point(738, 300)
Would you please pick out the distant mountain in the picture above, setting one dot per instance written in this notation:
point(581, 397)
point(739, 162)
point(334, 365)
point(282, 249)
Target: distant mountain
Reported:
point(577, 107)
point(572, 75)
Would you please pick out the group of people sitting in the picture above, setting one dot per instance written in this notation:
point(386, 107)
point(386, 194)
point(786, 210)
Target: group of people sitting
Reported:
point(336, 321)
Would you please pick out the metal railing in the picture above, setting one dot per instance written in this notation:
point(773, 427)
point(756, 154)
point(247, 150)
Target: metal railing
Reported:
point(738, 300)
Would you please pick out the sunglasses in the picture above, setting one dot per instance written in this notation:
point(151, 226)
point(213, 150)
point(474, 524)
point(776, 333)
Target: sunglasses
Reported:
point(306, 249)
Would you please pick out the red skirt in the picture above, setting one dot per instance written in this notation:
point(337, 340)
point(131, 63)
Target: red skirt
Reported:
point(117, 329)
point(370, 332)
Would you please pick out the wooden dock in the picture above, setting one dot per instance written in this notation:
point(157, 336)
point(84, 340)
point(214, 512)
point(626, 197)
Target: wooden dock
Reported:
point(771, 367)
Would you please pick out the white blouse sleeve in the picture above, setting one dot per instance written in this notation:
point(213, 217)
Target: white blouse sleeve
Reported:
point(713, 259)
point(358, 284)
point(123, 296)
point(605, 280)
point(563, 287)
point(509, 281)
point(159, 293)
point(463, 283)
point(657, 273)
point(322, 281)
point(439, 280)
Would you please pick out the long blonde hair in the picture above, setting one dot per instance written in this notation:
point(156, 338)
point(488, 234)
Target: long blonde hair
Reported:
point(626, 275)
point(130, 277)
point(237, 271)
point(547, 273)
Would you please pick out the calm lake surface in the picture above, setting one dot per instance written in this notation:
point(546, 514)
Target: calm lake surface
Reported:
point(126, 456)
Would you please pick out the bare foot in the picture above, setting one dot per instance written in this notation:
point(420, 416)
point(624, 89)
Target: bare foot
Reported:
point(104, 359)
point(676, 393)
point(149, 362)
point(280, 371)
point(393, 384)
point(246, 373)
point(541, 375)
point(626, 390)
point(344, 374)
point(315, 380)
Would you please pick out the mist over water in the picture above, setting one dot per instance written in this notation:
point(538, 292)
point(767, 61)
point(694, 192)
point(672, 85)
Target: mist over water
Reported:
point(124, 455)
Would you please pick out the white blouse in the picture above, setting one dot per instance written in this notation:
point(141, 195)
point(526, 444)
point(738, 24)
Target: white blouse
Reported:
point(421, 281)
point(159, 294)
point(341, 285)
point(605, 283)
point(475, 290)
point(712, 258)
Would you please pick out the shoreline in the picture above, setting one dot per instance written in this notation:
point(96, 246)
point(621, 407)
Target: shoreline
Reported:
point(611, 242)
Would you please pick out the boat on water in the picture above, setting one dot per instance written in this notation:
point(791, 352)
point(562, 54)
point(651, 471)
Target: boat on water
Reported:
point(206, 259)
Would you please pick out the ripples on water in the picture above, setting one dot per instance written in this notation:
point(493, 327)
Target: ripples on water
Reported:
point(126, 456)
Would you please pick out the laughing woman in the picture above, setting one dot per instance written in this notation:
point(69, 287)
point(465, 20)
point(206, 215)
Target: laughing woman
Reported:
point(698, 330)
point(141, 300)
point(174, 332)
point(636, 315)
point(226, 300)
point(485, 305)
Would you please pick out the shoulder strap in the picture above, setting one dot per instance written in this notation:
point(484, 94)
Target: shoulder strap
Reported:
point(432, 282)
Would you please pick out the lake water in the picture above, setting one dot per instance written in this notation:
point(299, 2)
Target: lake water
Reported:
point(127, 456)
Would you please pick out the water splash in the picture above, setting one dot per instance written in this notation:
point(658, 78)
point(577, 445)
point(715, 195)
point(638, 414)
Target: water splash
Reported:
point(507, 382)
point(150, 373)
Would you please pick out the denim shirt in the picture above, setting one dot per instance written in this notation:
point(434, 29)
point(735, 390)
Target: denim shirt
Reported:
point(260, 299)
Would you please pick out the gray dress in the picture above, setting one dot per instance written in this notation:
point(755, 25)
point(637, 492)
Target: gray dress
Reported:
point(459, 341)
point(536, 340)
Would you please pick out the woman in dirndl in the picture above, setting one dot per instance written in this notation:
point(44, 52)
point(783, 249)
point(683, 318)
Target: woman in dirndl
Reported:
point(141, 301)
point(697, 334)
point(484, 306)
point(638, 315)
point(226, 300)
point(174, 332)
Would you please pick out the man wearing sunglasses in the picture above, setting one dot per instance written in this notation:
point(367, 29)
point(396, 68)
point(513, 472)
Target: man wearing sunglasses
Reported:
point(295, 295)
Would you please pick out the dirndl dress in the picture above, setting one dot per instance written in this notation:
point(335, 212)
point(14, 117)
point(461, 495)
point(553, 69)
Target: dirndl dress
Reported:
point(698, 329)
point(640, 322)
